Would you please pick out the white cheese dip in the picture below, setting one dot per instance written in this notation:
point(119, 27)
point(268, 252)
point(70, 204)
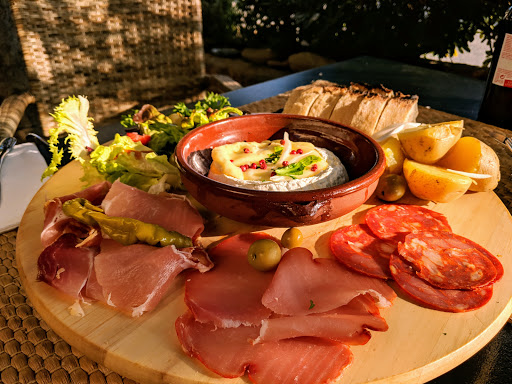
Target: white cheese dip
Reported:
point(243, 165)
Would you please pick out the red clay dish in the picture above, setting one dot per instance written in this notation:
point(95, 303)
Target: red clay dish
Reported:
point(362, 156)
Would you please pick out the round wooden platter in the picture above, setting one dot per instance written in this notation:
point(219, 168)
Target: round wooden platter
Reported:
point(420, 344)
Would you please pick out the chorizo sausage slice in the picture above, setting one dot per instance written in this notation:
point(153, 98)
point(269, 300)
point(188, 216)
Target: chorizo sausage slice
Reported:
point(395, 221)
point(448, 300)
point(359, 249)
point(447, 260)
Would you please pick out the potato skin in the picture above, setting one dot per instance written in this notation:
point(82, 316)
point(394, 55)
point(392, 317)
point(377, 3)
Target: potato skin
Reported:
point(472, 155)
point(429, 182)
point(394, 155)
point(430, 142)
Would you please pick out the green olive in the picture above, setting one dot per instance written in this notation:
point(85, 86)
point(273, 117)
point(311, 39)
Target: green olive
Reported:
point(264, 254)
point(391, 187)
point(292, 238)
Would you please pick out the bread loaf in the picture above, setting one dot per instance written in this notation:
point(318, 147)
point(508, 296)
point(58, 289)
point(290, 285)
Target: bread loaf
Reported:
point(360, 106)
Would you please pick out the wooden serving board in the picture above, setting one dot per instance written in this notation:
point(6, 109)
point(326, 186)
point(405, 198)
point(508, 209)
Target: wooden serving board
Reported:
point(420, 344)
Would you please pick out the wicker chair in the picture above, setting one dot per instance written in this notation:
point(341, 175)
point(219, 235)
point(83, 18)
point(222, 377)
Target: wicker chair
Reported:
point(119, 53)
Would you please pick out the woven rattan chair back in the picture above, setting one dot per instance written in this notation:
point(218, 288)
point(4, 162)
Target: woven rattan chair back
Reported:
point(118, 53)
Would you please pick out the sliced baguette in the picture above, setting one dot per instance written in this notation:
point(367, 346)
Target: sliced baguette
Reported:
point(368, 113)
point(347, 106)
point(399, 109)
point(325, 102)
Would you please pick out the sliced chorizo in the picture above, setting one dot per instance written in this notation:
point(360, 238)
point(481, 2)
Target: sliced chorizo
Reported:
point(359, 249)
point(395, 221)
point(448, 300)
point(447, 260)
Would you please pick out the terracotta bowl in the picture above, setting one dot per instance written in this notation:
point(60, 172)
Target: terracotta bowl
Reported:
point(362, 156)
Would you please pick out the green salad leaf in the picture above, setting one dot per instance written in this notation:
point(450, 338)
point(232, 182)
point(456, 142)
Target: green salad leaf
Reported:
point(72, 119)
point(132, 163)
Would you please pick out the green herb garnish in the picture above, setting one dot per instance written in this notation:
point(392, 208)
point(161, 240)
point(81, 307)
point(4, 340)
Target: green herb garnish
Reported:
point(311, 304)
point(272, 159)
point(297, 168)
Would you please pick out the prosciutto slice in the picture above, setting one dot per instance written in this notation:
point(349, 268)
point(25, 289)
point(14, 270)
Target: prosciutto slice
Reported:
point(57, 223)
point(230, 294)
point(348, 324)
point(134, 278)
point(227, 352)
point(65, 266)
point(170, 211)
point(303, 285)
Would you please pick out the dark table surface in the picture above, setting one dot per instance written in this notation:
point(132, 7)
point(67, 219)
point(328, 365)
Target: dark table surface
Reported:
point(439, 90)
point(436, 89)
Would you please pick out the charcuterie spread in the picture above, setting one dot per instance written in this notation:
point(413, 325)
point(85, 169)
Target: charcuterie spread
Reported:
point(254, 304)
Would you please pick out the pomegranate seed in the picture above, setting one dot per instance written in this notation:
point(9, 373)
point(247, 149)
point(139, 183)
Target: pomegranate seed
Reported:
point(282, 142)
point(285, 163)
point(293, 152)
point(299, 151)
point(246, 150)
point(254, 166)
point(314, 167)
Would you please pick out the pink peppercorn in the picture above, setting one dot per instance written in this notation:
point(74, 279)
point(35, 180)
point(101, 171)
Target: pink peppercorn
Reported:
point(231, 160)
point(254, 166)
point(293, 152)
point(263, 165)
point(299, 151)
point(273, 174)
point(285, 163)
point(282, 142)
point(244, 167)
point(246, 150)
point(314, 167)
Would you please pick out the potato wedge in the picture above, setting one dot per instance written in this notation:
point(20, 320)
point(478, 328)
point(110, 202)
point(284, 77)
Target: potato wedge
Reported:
point(472, 155)
point(430, 182)
point(394, 155)
point(430, 142)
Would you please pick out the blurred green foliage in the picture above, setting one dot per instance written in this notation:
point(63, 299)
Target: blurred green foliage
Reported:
point(339, 29)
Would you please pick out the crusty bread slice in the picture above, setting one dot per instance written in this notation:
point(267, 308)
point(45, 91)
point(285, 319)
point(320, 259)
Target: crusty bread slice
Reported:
point(296, 95)
point(347, 106)
point(399, 109)
point(325, 102)
point(368, 113)
point(304, 101)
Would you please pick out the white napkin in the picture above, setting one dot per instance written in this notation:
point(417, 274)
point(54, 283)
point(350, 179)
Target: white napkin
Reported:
point(20, 177)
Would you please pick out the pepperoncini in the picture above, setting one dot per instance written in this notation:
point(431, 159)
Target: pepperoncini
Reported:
point(124, 230)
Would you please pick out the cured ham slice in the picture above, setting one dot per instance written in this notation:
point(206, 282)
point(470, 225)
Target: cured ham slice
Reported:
point(134, 278)
point(56, 222)
point(359, 249)
point(448, 300)
point(170, 211)
point(395, 221)
point(230, 294)
point(347, 324)
point(303, 285)
point(447, 260)
point(227, 352)
point(65, 266)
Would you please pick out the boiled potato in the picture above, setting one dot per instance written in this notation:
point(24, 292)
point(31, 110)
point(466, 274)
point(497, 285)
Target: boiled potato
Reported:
point(471, 155)
point(430, 142)
point(394, 155)
point(430, 182)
